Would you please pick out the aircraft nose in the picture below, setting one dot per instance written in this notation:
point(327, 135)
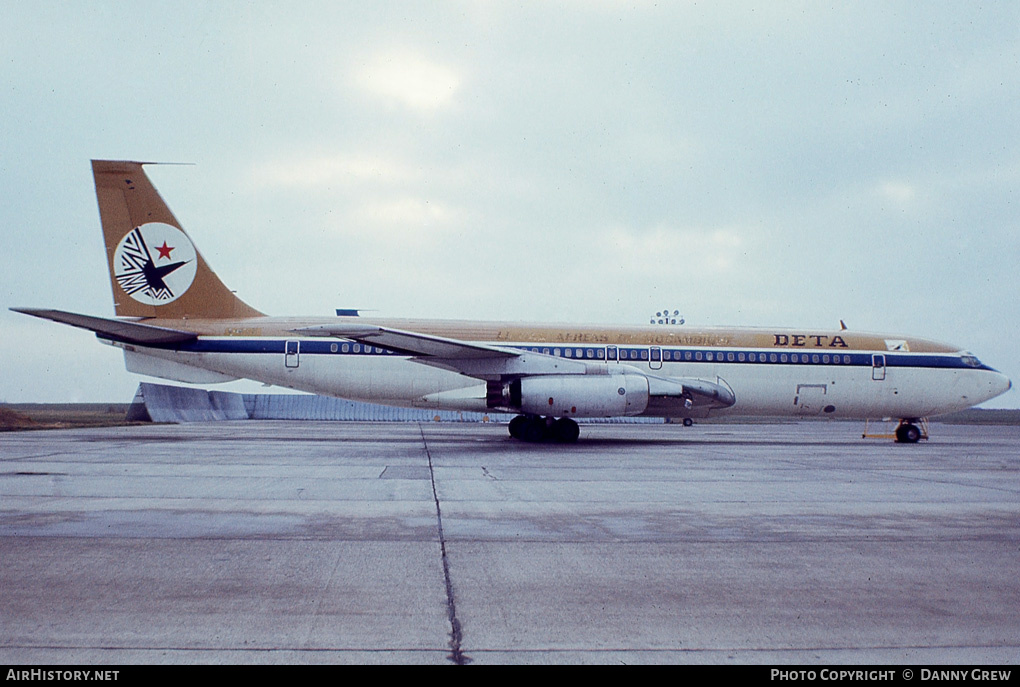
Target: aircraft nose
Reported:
point(1000, 384)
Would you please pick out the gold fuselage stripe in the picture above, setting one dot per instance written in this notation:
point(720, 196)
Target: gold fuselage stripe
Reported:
point(579, 335)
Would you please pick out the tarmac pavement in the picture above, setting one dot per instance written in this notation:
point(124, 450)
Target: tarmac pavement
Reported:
point(313, 542)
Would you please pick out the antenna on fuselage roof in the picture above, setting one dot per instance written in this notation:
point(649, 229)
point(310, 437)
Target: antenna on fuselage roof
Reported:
point(842, 325)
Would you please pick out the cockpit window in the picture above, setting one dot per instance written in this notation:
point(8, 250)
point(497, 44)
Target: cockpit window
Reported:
point(970, 359)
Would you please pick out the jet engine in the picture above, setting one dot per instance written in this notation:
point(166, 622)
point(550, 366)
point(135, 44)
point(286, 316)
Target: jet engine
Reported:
point(572, 395)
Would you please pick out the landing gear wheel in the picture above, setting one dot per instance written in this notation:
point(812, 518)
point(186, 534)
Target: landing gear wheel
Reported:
point(527, 428)
point(565, 430)
point(517, 425)
point(688, 422)
point(908, 433)
point(535, 429)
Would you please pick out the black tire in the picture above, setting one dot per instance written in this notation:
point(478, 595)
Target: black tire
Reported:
point(566, 430)
point(533, 430)
point(516, 427)
point(908, 434)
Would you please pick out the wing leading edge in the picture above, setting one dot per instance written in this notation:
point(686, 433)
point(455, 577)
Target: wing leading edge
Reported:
point(410, 343)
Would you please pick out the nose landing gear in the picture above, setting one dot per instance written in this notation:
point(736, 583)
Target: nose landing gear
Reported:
point(533, 428)
point(909, 433)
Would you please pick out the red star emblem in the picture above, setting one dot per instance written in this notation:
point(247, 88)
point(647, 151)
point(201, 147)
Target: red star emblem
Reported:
point(164, 251)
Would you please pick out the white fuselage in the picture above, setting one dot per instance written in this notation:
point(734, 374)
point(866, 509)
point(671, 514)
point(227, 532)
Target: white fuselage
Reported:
point(764, 381)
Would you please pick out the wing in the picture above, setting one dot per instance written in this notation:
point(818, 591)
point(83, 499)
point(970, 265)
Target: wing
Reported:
point(501, 363)
point(410, 343)
point(479, 360)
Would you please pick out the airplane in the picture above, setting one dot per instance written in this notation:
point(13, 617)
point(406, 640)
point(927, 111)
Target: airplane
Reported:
point(176, 320)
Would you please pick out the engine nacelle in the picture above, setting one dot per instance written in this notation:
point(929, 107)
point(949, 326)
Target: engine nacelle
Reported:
point(578, 395)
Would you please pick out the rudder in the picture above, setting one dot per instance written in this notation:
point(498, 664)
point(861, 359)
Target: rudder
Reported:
point(155, 269)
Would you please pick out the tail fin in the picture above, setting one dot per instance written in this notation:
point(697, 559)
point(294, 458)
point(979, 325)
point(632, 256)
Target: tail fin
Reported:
point(155, 270)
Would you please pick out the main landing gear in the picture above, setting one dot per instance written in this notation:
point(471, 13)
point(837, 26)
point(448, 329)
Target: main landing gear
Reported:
point(535, 428)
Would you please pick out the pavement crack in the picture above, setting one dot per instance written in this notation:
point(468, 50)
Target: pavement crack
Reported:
point(456, 655)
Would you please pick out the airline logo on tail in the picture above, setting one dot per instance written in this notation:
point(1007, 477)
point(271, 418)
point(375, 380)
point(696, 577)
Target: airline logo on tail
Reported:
point(155, 263)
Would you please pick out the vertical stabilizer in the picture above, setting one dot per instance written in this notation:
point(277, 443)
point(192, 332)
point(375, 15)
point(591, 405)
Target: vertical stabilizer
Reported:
point(155, 269)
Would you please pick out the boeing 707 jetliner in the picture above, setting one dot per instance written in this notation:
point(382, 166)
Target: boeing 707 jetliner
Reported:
point(176, 320)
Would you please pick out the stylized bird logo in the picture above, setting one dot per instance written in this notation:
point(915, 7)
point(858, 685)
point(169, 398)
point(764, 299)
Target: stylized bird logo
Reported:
point(139, 271)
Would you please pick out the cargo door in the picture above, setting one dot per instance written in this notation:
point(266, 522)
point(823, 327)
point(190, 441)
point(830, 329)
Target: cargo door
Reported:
point(810, 398)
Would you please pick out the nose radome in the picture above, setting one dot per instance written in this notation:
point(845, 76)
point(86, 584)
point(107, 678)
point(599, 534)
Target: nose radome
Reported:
point(1000, 385)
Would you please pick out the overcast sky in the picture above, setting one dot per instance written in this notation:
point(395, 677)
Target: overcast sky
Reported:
point(784, 164)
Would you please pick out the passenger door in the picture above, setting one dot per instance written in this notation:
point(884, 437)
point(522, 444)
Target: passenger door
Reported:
point(292, 353)
point(878, 367)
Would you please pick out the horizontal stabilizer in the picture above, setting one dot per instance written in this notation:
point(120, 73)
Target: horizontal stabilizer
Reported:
point(117, 330)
